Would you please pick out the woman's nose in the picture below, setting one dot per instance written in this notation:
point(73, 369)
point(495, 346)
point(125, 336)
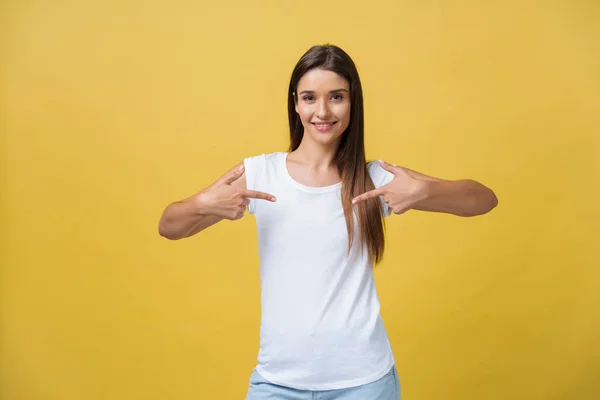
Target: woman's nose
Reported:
point(323, 112)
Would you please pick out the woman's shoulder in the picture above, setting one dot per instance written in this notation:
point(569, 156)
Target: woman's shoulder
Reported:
point(265, 157)
point(378, 175)
point(375, 168)
point(259, 162)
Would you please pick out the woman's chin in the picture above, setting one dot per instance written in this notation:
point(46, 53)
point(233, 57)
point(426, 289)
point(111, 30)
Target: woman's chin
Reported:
point(325, 139)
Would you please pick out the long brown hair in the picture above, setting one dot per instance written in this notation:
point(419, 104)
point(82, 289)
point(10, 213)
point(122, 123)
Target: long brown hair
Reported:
point(350, 156)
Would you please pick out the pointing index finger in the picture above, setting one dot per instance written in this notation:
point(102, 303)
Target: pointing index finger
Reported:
point(370, 194)
point(255, 194)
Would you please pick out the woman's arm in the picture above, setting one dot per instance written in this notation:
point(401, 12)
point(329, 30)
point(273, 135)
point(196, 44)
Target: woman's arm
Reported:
point(185, 218)
point(413, 190)
point(465, 198)
point(227, 198)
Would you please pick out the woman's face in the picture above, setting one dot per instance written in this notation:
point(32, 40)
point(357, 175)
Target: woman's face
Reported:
point(323, 105)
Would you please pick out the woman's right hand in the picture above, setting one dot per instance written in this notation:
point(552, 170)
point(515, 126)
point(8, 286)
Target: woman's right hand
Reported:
point(227, 201)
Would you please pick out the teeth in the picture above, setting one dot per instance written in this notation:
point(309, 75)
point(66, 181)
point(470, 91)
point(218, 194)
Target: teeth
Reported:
point(323, 125)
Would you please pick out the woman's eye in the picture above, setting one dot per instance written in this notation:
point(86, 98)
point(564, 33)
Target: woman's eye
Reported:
point(308, 98)
point(337, 97)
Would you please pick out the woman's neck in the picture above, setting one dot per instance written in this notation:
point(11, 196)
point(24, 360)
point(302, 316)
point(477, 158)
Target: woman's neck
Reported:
point(316, 156)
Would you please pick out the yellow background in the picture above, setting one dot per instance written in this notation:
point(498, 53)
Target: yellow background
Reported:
point(111, 110)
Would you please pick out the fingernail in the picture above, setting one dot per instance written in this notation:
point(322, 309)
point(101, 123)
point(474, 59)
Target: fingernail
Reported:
point(241, 168)
point(354, 201)
point(273, 198)
point(381, 160)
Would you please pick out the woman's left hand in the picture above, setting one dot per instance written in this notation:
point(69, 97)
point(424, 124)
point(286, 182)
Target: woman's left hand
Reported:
point(401, 194)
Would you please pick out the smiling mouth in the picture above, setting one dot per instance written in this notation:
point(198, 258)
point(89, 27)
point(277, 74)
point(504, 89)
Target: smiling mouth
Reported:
point(324, 126)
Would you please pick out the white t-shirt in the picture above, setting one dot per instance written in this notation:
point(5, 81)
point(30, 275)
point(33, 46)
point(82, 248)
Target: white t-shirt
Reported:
point(321, 328)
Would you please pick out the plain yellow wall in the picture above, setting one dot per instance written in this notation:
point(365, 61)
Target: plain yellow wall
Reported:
point(111, 110)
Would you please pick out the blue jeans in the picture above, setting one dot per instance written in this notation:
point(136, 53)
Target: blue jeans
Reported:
point(386, 388)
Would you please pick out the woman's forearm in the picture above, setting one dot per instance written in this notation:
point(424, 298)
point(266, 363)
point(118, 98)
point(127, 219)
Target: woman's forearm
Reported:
point(466, 198)
point(185, 218)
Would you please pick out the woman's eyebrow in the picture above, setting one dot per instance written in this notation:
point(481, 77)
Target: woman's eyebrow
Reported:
point(331, 91)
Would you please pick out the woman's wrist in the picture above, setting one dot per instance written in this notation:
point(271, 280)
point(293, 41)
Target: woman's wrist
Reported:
point(201, 205)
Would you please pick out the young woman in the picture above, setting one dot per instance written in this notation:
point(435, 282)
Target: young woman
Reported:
point(319, 212)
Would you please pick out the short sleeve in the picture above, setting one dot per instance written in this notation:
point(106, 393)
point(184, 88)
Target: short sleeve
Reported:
point(380, 177)
point(254, 167)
